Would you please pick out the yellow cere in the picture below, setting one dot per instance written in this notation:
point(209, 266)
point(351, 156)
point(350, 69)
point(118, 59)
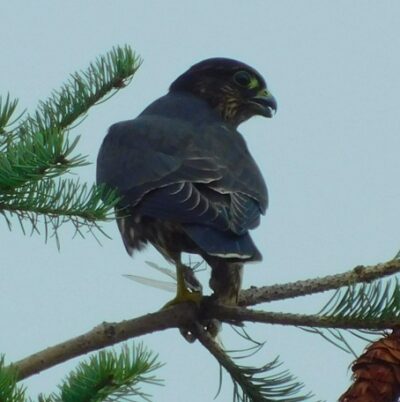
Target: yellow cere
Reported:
point(263, 92)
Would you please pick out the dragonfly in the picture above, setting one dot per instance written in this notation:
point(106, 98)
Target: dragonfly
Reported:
point(212, 326)
point(191, 281)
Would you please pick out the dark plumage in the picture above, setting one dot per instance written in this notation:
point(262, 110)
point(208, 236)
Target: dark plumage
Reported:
point(187, 180)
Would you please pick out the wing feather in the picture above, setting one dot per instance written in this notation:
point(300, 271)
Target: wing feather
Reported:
point(174, 169)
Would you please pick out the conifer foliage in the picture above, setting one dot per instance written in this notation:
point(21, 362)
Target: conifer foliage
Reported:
point(37, 149)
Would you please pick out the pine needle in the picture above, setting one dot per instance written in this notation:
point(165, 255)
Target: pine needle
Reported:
point(9, 390)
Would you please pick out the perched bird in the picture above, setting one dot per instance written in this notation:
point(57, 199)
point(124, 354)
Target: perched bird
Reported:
point(185, 175)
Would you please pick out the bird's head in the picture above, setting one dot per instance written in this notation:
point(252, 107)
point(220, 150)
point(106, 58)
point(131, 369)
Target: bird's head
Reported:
point(234, 89)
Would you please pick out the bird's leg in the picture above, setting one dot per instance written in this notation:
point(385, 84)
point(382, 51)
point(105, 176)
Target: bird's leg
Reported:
point(226, 281)
point(183, 294)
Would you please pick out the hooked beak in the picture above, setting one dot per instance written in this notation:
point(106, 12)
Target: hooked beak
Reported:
point(265, 104)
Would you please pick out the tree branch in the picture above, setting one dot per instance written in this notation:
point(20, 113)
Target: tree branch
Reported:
point(254, 384)
point(240, 314)
point(106, 334)
point(187, 316)
point(359, 274)
point(224, 360)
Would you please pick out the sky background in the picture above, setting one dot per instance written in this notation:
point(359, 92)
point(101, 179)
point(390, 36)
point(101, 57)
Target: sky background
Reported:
point(330, 158)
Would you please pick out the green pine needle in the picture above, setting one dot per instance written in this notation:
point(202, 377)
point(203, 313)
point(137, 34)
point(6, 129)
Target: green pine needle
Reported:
point(84, 89)
point(7, 109)
point(374, 302)
point(7, 121)
point(33, 157)
point(45, 398)
point(336, 337)
point(266, 384)
point(109, 376)
point(9, 390)
point(40, 146)
point(376, 305)
point(50, 203)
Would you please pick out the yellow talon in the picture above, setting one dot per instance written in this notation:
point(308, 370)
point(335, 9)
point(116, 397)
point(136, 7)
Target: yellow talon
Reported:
point(193, 297)
point(183, 294)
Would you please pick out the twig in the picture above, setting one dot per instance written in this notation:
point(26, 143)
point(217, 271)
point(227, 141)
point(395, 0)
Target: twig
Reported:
point(214, 348)
point(224, 360)
point(240, 314)
point(254, 384)
point(359, 274)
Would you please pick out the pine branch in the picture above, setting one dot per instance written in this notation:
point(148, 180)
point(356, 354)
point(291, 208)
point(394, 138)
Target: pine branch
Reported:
point(256, 295)
point(185, 316)
point(35, 156)
point(107, 334)
point(38, 150)
point(239, 314)
point(360, 274)
point(108, 376)
point(180, 316)
point(375, 302)
point(84, 89)
point(41, 147)
point(254, 385)
point(378, 301)
point(58, 202)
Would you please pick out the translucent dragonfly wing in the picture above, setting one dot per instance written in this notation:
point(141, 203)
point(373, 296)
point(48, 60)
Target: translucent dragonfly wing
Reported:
point(166, 271)
point(154, 283)
point(191, 281)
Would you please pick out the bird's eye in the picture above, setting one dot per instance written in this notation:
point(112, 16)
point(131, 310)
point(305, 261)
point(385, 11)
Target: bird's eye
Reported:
point(243, 78)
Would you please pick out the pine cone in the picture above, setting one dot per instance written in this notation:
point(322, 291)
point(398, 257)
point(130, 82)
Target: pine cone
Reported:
point(377, 372)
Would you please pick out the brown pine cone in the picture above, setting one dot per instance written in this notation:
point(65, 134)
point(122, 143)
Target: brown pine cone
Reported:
point(376, 372)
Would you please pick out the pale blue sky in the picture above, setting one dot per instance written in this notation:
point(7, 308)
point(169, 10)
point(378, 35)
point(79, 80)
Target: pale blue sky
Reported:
point(330, 159)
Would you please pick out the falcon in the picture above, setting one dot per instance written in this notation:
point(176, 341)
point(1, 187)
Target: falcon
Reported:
point(186, 179)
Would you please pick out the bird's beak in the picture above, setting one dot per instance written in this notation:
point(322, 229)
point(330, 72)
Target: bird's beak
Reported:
point(265, 103)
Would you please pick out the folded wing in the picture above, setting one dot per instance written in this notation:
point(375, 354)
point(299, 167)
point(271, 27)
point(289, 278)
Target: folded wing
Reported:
point(201, 177)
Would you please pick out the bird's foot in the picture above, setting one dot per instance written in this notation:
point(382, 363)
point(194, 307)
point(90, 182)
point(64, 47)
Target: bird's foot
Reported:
point(185, 296)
